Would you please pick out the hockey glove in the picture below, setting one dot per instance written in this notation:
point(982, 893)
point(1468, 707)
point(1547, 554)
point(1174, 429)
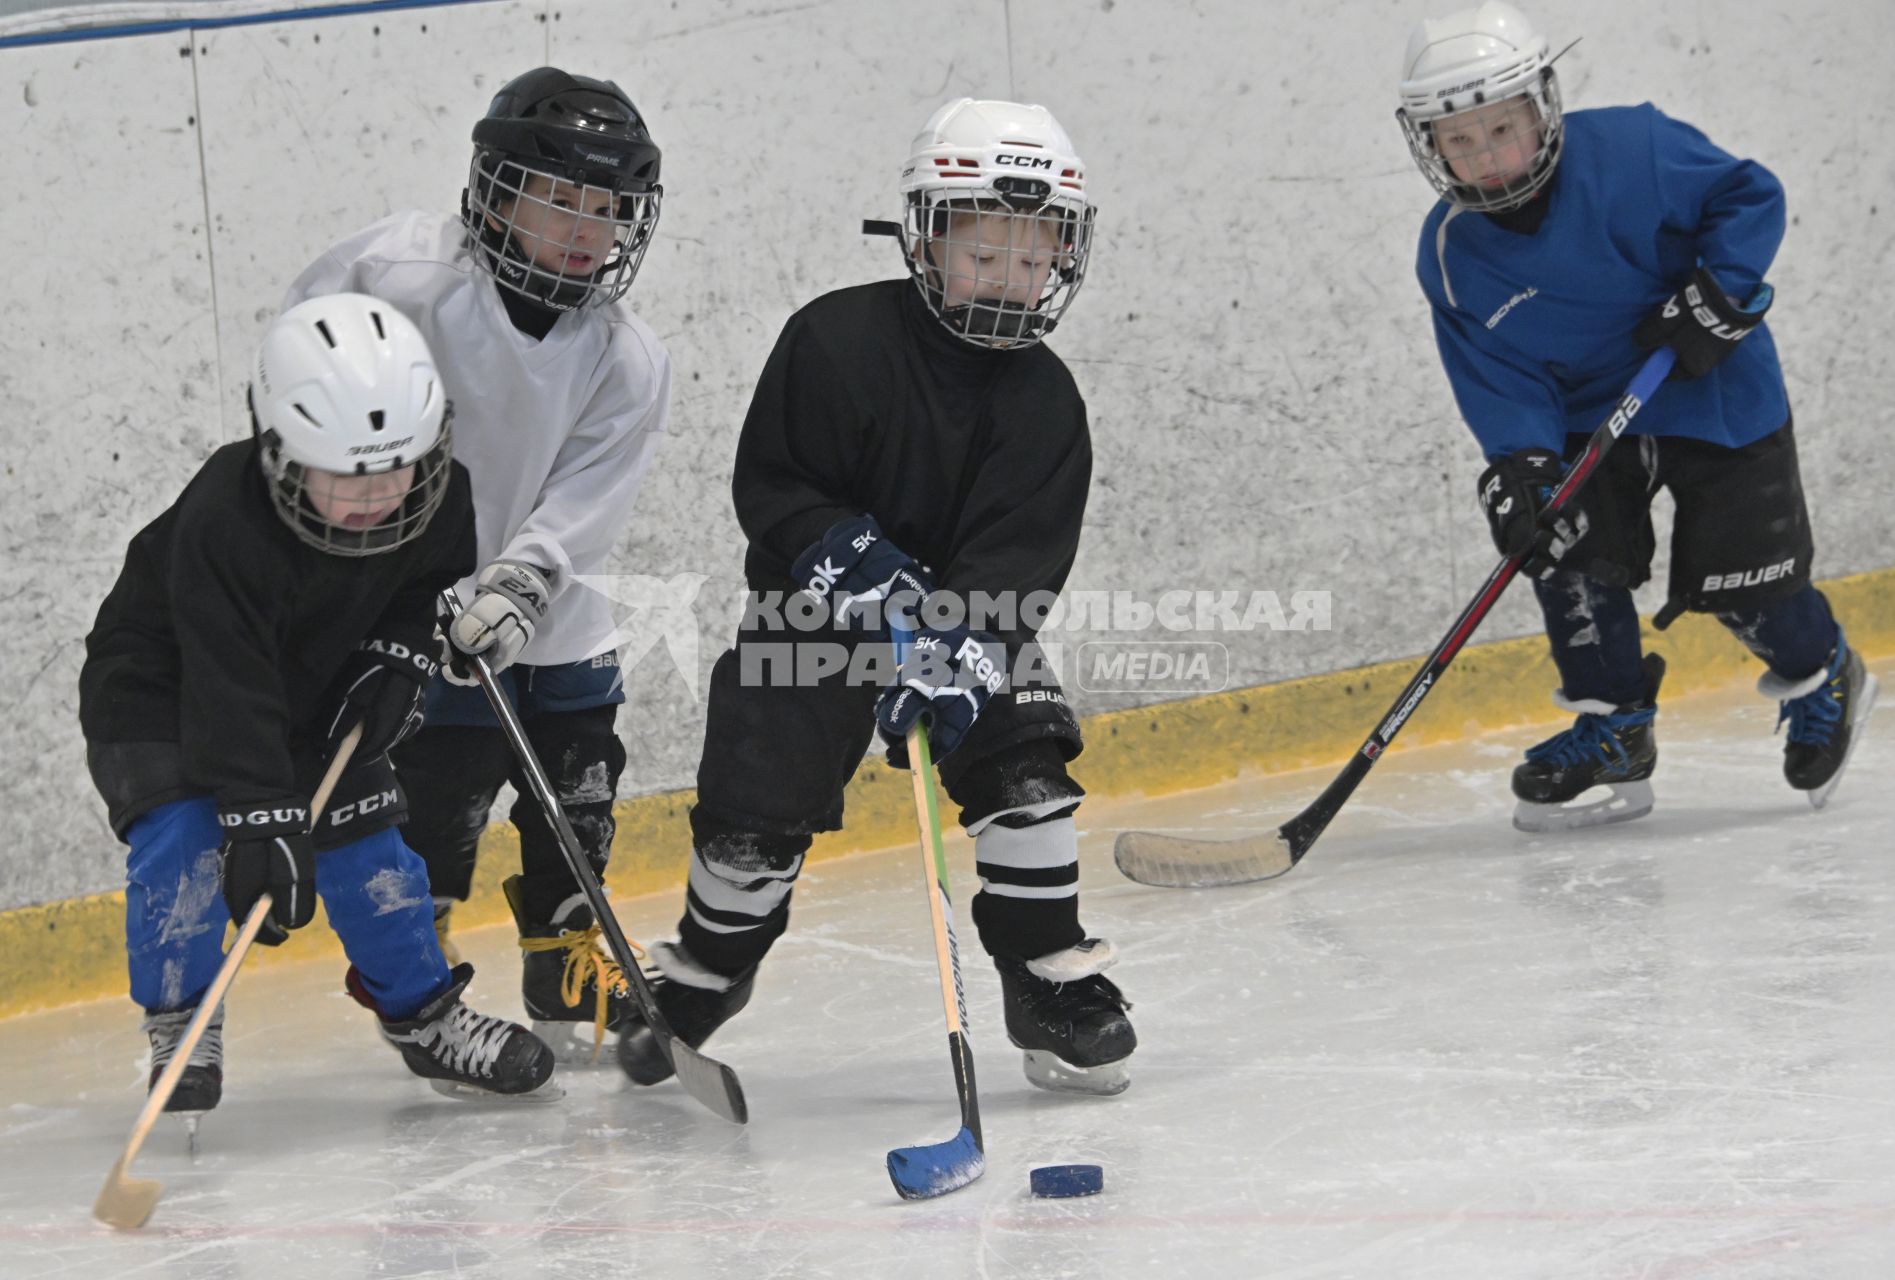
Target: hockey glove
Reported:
point(947, 675)
point(266, 850)
point(383, 694)
point(510, 599)
point(1702, 324)
point(865, 577)
point(1513, 495)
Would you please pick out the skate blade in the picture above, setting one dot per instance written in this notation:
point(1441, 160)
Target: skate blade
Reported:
point(572, 1046)
point(187, 1121)
point(1050, 1072)
point(1865, 703)
point(461, 1091)
point(1622, 802)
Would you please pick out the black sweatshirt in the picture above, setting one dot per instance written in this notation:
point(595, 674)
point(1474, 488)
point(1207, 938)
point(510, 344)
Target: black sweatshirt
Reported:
point(226, 634)
point(974, 462)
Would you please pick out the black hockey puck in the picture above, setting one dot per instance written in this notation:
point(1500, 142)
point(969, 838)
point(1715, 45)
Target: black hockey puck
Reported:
point(1060, 1181)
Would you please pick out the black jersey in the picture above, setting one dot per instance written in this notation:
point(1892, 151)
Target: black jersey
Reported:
point(975, 462)
point(226, 633)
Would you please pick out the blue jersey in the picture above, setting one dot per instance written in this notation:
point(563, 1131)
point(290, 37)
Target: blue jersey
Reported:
point(1535, 330)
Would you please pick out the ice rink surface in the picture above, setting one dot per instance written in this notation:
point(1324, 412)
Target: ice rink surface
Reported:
point(1438, 1048)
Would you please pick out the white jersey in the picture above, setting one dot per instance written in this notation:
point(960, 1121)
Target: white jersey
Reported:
point(556, 434)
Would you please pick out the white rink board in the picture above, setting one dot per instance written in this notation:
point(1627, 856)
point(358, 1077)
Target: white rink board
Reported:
point(108, 402)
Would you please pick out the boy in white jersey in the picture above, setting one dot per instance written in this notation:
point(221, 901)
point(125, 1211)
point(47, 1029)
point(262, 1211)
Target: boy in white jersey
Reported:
point(562, 397)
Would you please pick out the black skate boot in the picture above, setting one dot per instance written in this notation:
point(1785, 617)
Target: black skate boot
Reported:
point(466, 1054)
point(573, 990)
point(201, 1087)
point(1611, 747)
point(693, 1000)
point(1069, 1018)
point(1824, 713)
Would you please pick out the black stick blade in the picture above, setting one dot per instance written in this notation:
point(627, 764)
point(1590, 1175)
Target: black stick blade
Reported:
point(709, 1081)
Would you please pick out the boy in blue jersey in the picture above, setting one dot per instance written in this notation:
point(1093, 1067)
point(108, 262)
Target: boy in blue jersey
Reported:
point(1563, 249)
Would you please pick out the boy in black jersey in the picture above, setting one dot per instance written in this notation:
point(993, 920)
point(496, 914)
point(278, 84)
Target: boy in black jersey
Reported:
point(915, 442)
point(285, 598)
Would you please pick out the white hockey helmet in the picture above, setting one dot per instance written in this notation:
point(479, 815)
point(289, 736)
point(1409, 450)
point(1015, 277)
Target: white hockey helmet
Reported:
point(344, 384)
point(1472, 59)
point(1015, 168)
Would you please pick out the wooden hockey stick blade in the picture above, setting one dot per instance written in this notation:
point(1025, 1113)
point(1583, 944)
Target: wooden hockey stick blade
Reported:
point(1174, 862)
point(126, 1202)
point(921, 1173)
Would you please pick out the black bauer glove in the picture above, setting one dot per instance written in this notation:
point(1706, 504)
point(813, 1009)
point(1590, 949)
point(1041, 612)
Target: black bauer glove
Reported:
point(1702, 324)
point(1513, 495)
point(383, 693)
point(863, 575)
point(947, 675)
point(266, 850)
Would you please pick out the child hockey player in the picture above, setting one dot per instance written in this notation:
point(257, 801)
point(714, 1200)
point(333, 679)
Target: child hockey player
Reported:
point(563, 397)
point(1563, 247)
point(286, 597)
point(916, 439)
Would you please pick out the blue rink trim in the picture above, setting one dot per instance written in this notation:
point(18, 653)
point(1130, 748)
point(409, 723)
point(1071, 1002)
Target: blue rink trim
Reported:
point(921, 1173)
point(160, 26)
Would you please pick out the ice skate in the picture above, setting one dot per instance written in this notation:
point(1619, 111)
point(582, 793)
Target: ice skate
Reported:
point(1069, 1019)
point(692, 999)
point(470, 1055)
point(574, 991)
point(201, 1087)
point(1825, 713)
point(1596, 772)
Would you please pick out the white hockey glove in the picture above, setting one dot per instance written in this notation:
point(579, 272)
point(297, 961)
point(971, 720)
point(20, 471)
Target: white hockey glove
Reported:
point(510, 599)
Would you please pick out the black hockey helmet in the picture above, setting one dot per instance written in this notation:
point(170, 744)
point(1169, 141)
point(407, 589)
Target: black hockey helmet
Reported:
point(543, 129)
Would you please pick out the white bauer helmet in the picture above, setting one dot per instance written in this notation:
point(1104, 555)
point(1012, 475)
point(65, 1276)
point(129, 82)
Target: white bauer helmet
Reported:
point(345, 384)
point(1012, 166)
point(1469, 59)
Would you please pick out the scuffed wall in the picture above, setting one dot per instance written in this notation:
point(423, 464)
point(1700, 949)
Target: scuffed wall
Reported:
point(1268, 414)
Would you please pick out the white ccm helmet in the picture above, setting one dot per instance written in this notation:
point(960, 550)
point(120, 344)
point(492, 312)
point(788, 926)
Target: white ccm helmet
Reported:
point(1474, 58)
point(1013, 167)
point(346, 384)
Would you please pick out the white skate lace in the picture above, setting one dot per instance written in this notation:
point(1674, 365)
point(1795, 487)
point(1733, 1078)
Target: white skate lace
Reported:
point(167, 1030)
point(464, 1041)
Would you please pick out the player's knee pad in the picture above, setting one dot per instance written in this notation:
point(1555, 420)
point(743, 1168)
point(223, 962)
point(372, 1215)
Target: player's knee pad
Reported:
point(740, 853)
point(1021, 786)
point(738, 891)
point(583, 758)
point(174, 911)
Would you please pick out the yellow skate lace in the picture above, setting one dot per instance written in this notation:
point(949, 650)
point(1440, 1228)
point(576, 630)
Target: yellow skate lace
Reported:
point(586, 958)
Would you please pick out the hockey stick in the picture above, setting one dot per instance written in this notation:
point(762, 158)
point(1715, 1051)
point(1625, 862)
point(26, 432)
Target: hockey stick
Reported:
point(126, 1202)
point(704, 1078)
point(1175, 862)
point(921, 1173)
